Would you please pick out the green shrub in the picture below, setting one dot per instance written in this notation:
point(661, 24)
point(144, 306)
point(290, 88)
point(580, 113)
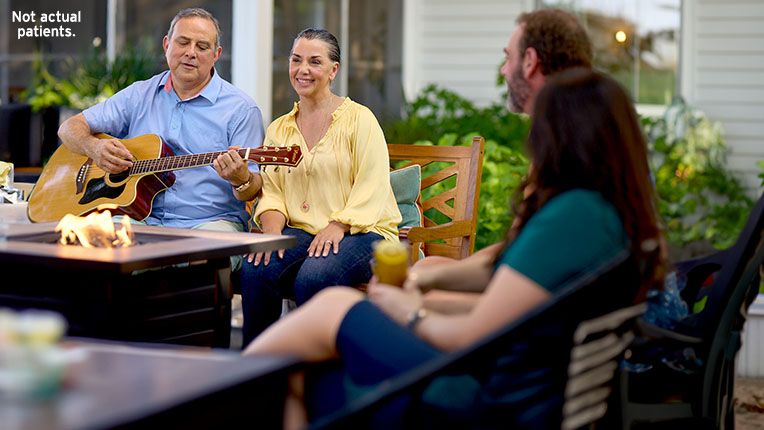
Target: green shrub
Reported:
point(90, 79)
point(441, 117)
point(698, 197)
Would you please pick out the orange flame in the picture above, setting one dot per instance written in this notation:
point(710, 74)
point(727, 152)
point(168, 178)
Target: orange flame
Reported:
point(95, 230)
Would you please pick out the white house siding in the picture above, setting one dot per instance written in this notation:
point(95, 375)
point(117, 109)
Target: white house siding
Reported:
point(722, 72)
point(749, 359)
point(457, 44)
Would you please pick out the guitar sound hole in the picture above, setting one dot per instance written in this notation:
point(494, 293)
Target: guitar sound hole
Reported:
point(116, 178)
point(97, 188)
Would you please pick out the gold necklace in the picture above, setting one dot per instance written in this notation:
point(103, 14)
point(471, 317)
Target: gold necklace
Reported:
point(305, 207)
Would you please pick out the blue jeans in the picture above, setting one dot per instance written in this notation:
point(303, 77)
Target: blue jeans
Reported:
point(263, 287)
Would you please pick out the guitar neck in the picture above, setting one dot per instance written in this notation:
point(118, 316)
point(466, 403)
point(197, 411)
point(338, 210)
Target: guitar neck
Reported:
point(289, 156)
point(175, 162)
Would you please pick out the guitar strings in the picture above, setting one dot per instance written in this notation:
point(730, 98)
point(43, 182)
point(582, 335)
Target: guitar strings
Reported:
point(176, 162)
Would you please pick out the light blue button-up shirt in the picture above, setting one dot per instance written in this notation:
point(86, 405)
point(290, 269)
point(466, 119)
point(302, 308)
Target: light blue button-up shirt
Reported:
point(218, 117)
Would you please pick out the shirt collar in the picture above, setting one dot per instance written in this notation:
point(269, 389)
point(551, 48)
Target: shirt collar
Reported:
point(211, 91)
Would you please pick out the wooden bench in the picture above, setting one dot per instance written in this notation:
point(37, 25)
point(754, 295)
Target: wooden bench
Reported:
point(459, 203)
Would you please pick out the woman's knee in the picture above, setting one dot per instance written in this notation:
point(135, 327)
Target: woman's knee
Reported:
point(337, 294)
point(314, 277)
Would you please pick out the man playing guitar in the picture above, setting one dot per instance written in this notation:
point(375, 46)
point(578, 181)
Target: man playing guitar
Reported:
point(193, 110)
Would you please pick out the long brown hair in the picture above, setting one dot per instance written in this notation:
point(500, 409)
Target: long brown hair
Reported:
point(586, 135)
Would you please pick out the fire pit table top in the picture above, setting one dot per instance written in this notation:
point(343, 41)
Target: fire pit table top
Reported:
point(157, 246)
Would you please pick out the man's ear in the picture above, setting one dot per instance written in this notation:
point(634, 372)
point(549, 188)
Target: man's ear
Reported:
point(530, 63)
point(217, 53)
point(165, 41)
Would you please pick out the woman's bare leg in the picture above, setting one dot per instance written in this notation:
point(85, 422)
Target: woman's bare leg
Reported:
point(450, 302)
point(309, 331)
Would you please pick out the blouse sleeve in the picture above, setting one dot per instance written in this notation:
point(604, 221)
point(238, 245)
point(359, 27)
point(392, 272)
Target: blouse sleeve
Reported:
point(371, 187)
point(272, 196)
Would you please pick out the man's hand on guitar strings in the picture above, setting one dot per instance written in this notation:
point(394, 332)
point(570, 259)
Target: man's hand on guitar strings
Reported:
point(112, 156)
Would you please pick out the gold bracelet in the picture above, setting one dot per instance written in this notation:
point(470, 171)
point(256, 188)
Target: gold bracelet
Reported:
point(244, 186)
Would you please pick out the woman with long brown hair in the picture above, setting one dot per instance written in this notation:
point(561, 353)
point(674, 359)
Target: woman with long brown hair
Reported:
point(588, 197)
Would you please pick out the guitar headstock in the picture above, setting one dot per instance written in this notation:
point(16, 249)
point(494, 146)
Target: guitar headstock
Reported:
point(274, 155)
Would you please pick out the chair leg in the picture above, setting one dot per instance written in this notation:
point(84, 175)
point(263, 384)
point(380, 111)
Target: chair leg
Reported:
point(287, 305)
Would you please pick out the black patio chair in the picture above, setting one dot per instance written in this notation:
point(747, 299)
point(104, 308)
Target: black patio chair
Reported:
point(693, 366)
point(552, 368)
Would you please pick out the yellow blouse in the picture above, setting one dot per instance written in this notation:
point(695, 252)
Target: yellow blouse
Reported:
point(344, 178)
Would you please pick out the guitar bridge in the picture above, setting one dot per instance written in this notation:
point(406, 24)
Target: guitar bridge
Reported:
point(82, 175)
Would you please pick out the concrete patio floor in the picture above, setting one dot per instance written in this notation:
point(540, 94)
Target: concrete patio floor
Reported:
point(749, 404)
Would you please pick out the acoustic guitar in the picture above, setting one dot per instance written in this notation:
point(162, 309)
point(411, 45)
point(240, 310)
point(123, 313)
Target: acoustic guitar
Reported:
point(73, 183)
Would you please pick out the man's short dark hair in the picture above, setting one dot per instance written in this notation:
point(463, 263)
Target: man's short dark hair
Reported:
point(197, 12)
point(557, 37)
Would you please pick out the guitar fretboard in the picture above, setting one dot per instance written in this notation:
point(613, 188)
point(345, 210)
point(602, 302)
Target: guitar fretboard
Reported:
point(176, 162)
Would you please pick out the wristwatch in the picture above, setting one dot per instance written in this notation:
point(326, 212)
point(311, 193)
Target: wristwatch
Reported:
point(244, 186)
point(415, 317)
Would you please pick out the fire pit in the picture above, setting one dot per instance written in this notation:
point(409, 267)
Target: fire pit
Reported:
point(172, 286)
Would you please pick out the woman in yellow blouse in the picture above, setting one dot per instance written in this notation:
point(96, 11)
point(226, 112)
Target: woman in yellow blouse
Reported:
point(337, 202)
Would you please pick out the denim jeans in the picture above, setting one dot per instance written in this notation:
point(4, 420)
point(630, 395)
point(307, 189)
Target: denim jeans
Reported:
point(263, 287)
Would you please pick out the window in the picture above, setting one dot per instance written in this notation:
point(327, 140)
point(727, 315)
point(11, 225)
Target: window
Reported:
point(375, 45)
point(371, 55)
point(291, 17)
point(138, 23)
point(17, 55)
point(145, 23)
point(636, 42)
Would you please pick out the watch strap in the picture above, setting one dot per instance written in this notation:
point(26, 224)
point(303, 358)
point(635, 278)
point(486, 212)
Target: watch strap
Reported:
point(415, 317)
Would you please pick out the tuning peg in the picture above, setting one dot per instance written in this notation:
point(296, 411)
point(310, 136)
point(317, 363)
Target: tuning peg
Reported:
point(289, 170)
point(276, 169)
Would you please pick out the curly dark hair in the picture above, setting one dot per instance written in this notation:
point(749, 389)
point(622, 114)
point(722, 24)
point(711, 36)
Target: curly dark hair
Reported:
point(557, 37)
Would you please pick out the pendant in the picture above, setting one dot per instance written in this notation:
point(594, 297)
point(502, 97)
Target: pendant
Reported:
point(305, 207)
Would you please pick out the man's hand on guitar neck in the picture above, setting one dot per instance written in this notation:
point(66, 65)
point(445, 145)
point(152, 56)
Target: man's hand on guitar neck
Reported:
point(109, 154)
point(231, 167)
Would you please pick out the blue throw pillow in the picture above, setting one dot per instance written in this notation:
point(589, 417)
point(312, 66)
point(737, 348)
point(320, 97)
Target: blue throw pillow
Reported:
point(406, 183)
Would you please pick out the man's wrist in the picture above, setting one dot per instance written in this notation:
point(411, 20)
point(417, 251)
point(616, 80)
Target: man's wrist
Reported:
point(243, 186)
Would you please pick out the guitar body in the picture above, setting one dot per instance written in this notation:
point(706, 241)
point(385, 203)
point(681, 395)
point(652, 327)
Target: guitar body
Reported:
point(72, 183)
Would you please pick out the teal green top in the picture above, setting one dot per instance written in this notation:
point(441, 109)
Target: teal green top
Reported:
point(572, 233)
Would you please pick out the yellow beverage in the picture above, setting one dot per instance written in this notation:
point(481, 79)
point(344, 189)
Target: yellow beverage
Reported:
point(391, 262)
